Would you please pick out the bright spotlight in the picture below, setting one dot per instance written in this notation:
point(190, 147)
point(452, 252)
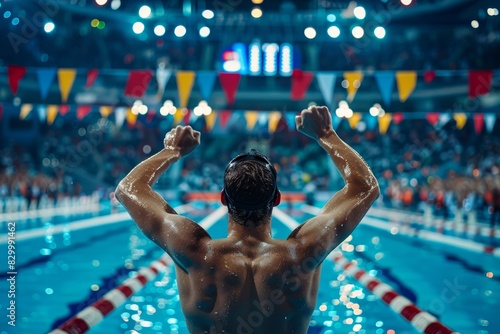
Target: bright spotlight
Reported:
point(331, 18)
point(180, 31)
point(159, 30)
point(101, 2)
point(49, 27)
point(208, 14)
point(256, 13)
point(406, 2)
point(474, 24)
point(333, 32)
point(138, 28)
point(145, 12)
point(358, 32)
point(379, 32)
point(204, 31)
point(115, 4)
point(310, 32)
point(360, 12)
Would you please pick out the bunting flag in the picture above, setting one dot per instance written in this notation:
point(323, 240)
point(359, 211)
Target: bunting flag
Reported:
point(25, 110)
point(42, 113)
point(397, 117)
point(478, 123)
point(490, 120)
point(407, 81)
point(137, 83)
point(63, 110)
point(186, 116)
point(105, 111)
point(66, 80)
point(251, 118)
point(206, 82)
point(274, 119)
point(385, 81)
point(429, 76)
point(15, 74)
point(230, 83)
point(92, 75)
point(210, 120)
point(300, 84)
point(178, 116)
point(354, 120)
point(120, 113)
point(371, 122)
point(290, 120)
point(131, 118)
point(225, 115)
point(479, 83)
point(51, 114)
point(162, 77)
point(326, 83)
point(45, 78)
point(185, 81)
point(383, 123)
point(433, 118)
point(444, 118)
point(460, 119)
point(83, 111)
point(354, 80)
point(263, 120)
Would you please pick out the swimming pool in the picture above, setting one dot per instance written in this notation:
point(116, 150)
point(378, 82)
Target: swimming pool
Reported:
point(62, 268)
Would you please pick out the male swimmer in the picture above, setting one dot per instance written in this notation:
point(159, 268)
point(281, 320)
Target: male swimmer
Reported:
point(250, 282)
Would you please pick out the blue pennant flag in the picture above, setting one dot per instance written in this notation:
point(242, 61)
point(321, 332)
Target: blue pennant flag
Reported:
point(206, 82)
point(45, 78)
point(385, 81)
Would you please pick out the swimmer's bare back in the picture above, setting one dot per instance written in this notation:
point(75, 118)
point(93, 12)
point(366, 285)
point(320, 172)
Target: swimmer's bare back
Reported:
point(250, 282)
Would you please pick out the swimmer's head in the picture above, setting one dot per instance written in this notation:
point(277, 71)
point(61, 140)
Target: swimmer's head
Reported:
point(250, 188)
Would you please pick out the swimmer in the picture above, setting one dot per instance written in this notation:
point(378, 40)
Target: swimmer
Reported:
point(249, 282)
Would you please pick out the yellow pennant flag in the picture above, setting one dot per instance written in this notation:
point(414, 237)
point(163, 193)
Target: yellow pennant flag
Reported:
point(354, 80)
point(461, 119)
point(178, 116)
point(185, 81)
point(274, 119)
point(25, 110)
point(407, 81)
point(131, 117)
point(354, 120)
point(66, 80)
point(251, 117)
point(52, 111)
point(106, 111)
point(210, 120)
point(384, 122)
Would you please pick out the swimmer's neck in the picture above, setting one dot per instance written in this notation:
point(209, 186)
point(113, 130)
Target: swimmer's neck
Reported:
point(260, 233)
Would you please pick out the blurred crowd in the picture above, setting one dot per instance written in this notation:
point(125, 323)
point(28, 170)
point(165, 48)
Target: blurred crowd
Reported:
point(453, 171)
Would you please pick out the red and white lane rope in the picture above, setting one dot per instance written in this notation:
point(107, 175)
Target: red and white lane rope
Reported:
point(421, 320)
point(95, 313)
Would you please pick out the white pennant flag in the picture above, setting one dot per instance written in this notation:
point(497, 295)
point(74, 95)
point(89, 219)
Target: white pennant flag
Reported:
point(120, 114)
point(42, 113)
point(162, 77)
point(490, 120)
point(443, 120)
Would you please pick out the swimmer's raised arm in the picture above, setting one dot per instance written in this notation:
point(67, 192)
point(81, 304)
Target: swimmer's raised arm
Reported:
point(180, 237)
point(343, 212)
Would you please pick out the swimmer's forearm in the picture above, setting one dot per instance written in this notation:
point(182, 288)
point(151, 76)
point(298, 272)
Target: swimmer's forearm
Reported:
point(351, 166)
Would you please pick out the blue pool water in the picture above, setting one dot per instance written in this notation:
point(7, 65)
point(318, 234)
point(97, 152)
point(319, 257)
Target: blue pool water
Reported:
point(60, 273)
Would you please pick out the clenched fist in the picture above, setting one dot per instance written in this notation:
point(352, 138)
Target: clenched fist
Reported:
point(315, 122)
point(182, 138)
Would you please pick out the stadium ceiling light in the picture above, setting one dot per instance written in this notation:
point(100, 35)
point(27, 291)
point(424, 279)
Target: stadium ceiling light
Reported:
point(379, 32)
point(406, 2)
point(115, 4)
point(208, 14)
point(358, 32)
point(159, 30)
point(474, 24)
point(331, 18)
point(101, 2)
point(145, 12)
point(333, 31)
point(49, 27)
point(257, 2)
point(310, 32)
point(256, 13)
point(180, 31)
point(138, 28)
point(360, 12)
point(204, 32)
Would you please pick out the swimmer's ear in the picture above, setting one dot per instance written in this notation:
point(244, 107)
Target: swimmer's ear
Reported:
point(277, 200)
point(223, 198)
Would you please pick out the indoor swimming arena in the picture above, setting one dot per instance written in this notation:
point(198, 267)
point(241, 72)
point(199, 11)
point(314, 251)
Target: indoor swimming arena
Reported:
point(249, 166)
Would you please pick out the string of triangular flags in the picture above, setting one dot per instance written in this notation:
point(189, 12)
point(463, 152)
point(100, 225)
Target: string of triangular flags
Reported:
point(248, 120)
point(138, 81)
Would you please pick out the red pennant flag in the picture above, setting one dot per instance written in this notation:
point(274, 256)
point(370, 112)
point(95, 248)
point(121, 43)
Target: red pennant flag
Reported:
point(479, 83)
point(15, 73)
point(63, 110)
point(230, 83)
point(398, 117)
point(300, 84)
point(138, 82)
point(83, 111)
point(91, 77)
point(429, 76)
point(478, 123)
point(433, 118)
point(224, 117)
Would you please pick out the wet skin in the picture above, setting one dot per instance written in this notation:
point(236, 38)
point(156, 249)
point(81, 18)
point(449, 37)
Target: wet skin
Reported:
point(250, 282)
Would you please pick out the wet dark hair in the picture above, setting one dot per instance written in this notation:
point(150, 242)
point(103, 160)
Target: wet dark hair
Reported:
point(250, 188)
